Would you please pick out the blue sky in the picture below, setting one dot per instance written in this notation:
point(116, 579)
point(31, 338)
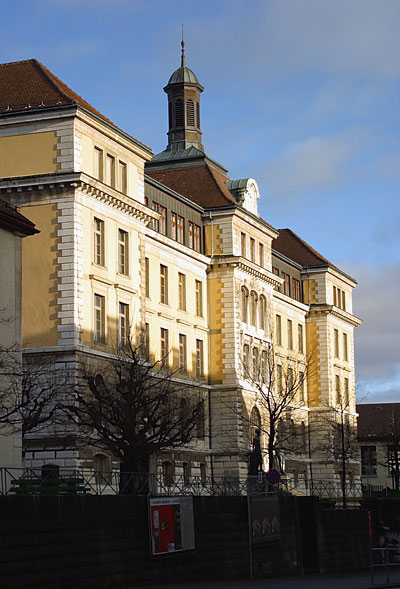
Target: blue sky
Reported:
point(302, 95)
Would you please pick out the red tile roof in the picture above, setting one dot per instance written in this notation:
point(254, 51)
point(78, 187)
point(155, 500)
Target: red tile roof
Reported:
point(201, 184)
point(378, 421)
point(29, 85)
point(12, 220)
point(293, 247)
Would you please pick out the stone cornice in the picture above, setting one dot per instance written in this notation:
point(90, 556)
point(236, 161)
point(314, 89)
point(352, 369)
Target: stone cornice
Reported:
point(248, 267)
point(60, 183)
point(324, 309)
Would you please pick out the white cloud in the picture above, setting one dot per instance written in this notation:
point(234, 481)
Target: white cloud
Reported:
point(376, 301)
point(314, 163)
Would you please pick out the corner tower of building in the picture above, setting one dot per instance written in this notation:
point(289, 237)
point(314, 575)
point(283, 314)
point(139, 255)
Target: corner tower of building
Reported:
point(183, 91)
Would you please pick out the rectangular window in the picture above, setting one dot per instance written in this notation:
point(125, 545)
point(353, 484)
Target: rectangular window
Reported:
point(190, 234)
point(343, 300)
point(290, 380)
point(246, 358)
point(296, 289)
point(98, 257)
point(279, 378)
point(301, 387)
point(156, 222)
point(345, 348)
point(99, 318)
point(275, 270)
point(278, 328)
point(368, 461)
point(147, 277)
point(147, 342)
point(243, 245)
point(286, 284)
point(181, 291)
point(199, 298)
point(180, 229)
point(110, 170)
point(173, 226)
point(123, 324)
point(163, 284)
point(261, 254)
point(98, 163)
point(255, 364)
point(264, 364)
point(197, 239)
point(122, 176)
point(164, 351)
point(199, 358)
point(252, 249)
point(346, 393)
point(336, 342)
point(337, 387)
point(182, 353)
point(335, 296)
point(300, 338)
point(290, 334)
point(123, 257)
point(162, 222)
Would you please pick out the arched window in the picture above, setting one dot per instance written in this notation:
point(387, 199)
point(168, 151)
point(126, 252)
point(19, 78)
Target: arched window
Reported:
point(170, 117)
point(244, 303)
point(253, 308)
point(263, 312)
point(255, 423)
point(303, 437)
point(179, 116)
point(186, 473)
point(200, 421)
point(167, 473)
point(203, 473)
point(50, 471)
point(293, 441)
point(190, 113)
point(102, 470)
point(198, 114)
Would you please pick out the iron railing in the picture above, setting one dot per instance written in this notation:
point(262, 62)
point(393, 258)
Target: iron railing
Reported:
point(86, 481)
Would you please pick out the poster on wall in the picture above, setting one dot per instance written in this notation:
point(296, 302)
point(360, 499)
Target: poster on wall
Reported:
point(265, 519)
point(171, 524)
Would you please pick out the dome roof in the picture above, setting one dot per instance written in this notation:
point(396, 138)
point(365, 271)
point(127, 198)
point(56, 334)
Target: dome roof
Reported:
point(183, 74)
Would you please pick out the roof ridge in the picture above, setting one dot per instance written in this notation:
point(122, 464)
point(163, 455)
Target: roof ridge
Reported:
point(211, 173)
point(19, 61)
point(48, 74)
point(305, 244)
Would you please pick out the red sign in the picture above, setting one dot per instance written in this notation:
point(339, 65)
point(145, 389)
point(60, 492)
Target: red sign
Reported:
point(273, 476)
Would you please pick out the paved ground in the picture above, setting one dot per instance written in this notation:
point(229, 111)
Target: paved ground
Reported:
point(346, 581)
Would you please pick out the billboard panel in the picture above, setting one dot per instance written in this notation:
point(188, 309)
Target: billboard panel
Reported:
point(171, 524)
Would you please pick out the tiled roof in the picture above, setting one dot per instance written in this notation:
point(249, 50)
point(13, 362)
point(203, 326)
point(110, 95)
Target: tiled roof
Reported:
point(29, 85)
point(293, 247)
point(201, 184)
point(12, 220)
point(378, 421)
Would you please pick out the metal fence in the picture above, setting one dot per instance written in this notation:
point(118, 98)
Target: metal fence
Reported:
point(18, 481)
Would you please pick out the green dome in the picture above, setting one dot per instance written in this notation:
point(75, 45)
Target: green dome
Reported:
point(183, 75)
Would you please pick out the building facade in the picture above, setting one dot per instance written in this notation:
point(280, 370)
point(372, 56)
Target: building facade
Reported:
point(168, 249)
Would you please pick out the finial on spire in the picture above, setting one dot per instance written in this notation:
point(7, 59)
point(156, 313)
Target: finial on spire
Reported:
point(183, 51)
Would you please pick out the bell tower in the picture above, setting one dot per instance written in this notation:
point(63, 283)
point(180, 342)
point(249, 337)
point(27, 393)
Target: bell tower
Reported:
point(183, 91)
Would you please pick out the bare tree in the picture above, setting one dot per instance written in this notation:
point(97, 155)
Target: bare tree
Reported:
point(134, 409)
point(279, 385)
point(29, 391)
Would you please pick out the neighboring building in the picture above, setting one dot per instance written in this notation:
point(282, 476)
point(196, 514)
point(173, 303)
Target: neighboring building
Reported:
point(13, 227)
point(379, 442)
point(173, 248)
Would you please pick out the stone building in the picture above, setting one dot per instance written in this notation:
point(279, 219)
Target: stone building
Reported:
point(168, 245)
point(13, 228)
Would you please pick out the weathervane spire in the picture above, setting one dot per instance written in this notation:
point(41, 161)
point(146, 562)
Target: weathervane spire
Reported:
point(183, 51)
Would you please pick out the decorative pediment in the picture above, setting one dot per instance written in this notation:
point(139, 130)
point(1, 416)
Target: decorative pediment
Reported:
point(246, 193)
